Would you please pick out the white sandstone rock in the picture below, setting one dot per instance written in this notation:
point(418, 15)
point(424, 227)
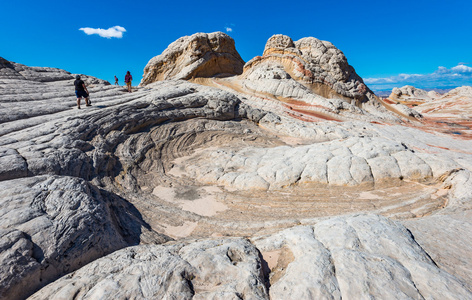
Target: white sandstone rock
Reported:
point(50, 226)
point(198, 55)
point(296, 139)
point(213, 269)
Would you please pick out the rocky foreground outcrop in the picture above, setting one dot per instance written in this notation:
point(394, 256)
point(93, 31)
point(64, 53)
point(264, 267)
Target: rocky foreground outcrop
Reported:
point(209, 189)
point(353, 258)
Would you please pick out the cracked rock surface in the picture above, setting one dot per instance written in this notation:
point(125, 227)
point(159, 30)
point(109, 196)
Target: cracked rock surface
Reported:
point(210, 189)
point(342, 258)
point(211, 269)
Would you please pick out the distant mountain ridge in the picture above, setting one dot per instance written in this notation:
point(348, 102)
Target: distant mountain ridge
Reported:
point(443, 90)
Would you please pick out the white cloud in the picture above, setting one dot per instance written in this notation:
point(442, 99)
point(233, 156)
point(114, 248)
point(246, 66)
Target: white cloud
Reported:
point(229, 27)
point(442, 77)
point(115, 31)
point(462, 69)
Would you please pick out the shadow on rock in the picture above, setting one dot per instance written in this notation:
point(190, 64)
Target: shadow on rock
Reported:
point(129, 222)
point(54, 225)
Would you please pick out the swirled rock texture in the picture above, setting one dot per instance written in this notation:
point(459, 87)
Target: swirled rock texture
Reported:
point(52, 225)
point(198, 55)
point(12, 70)
point(225, 191)
point(318, 64)
point(452, 110)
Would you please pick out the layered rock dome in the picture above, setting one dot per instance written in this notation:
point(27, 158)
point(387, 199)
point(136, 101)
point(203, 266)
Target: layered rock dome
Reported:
point(271, 183)
point(308, 76)
point(318, 64)
point(199, 55)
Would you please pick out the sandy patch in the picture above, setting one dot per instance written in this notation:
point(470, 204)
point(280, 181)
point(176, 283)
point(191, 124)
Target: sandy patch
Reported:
point(181, 231)
point(207, 206)
point(440, 193)
point(368, 195)
point(165, 193)
point(278, 261)
point(271, 257)
point(178, 169)
point(201, 201)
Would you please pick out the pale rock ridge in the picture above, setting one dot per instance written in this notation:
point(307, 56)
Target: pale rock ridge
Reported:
point(198, 55)
point(452, 110)
point(410, 93)
point(354, 161)
point(11, 70)
point(465, 91)
point(357, 257)
point(351, 257)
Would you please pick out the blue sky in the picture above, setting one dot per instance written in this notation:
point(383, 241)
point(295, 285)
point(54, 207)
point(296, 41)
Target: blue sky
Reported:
point(389, 43)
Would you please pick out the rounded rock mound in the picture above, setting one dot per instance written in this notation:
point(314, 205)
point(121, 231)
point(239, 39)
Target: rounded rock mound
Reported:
point(318, 64)
point(198, 55)
point(410, 93)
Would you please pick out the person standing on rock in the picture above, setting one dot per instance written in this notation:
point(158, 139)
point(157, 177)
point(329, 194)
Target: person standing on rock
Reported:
point(81, 91)
point(128, 79)
point(116, 80)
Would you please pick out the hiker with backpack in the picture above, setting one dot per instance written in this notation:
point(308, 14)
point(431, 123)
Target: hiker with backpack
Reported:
point(128, 79)
point(116, 80)
point(81, 91)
